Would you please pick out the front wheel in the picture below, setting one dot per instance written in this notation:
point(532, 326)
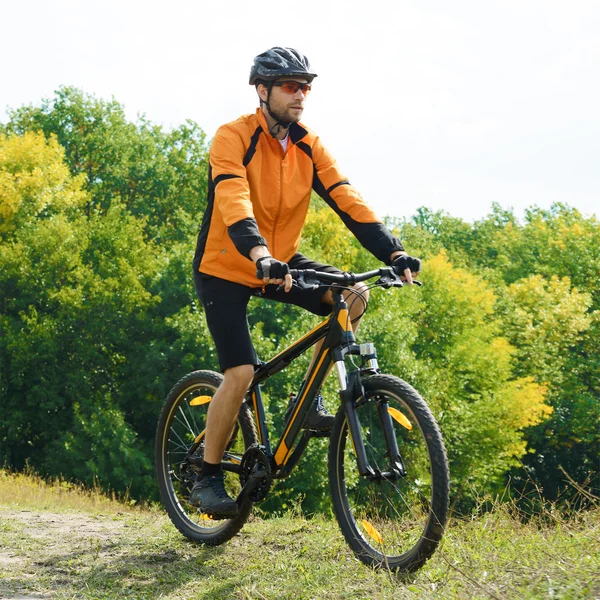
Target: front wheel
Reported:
point(393, 521)
point(179, 453)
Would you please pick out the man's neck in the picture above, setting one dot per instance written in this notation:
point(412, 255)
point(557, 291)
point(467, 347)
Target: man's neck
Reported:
point(271, 122)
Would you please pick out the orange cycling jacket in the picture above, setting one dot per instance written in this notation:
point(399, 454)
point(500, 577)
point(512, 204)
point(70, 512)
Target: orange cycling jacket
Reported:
point(259, 195)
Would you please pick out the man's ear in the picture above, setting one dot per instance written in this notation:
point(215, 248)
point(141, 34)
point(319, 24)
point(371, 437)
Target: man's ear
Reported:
point(263, 92)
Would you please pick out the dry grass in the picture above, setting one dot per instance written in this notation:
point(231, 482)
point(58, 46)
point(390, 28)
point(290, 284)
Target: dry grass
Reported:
point(28, 490)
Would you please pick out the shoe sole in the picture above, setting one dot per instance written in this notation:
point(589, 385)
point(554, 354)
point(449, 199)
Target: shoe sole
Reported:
point(228, 514)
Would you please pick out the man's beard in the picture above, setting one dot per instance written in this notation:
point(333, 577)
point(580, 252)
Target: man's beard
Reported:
point(284, 116)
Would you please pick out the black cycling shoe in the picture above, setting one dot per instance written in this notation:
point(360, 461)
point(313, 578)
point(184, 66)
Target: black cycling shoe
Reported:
point(210, 496)
point(318, 418)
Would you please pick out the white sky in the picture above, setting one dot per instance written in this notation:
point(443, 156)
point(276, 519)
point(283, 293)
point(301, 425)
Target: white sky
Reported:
point(449, 105)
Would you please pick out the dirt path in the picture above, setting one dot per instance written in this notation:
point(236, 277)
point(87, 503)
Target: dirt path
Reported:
point(38, 545)
point(54, 525)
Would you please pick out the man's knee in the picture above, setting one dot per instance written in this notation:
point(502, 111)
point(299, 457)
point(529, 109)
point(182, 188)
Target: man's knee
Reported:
point(362, 289)
point(358, 300)
point(239, 377)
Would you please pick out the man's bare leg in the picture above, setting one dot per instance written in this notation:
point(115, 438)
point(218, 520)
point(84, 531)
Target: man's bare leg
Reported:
point(209, 490)
point(224, 409)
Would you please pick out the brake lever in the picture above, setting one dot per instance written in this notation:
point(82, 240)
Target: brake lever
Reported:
point(388, 281)
point(302, 284)
point(307, 285)
point(415, 282)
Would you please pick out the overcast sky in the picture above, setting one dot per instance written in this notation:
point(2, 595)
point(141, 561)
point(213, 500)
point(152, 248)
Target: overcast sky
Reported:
point(449, 105)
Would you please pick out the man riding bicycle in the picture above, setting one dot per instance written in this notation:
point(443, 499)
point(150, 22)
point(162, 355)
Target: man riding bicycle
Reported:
point(262, 170)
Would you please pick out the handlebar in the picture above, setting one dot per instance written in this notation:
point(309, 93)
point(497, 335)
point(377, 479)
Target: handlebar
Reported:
point(311, 279)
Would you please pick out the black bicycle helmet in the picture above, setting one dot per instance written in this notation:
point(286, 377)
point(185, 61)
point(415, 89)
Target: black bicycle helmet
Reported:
point(278, 62)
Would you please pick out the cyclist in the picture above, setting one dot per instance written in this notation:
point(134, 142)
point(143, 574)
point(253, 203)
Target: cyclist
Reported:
point(262, 169)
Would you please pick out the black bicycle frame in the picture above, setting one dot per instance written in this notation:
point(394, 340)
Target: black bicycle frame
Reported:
point(338, 338)
point(338, 342)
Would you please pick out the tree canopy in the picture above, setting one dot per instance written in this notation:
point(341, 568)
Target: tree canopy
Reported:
point(98, 219)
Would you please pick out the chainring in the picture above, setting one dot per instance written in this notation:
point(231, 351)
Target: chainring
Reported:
point(255, 461)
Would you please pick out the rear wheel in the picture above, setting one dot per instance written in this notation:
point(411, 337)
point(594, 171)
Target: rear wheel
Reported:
point(179, 453)
point(394, 522)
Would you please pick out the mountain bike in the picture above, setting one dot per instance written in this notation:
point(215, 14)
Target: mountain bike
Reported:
point(387, 465)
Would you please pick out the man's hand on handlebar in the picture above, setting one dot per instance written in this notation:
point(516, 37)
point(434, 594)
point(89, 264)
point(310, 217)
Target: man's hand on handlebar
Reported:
point(271, 270)
point(406, 266)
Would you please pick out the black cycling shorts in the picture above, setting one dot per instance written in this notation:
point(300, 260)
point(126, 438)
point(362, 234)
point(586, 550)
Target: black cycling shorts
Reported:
point(225, 304)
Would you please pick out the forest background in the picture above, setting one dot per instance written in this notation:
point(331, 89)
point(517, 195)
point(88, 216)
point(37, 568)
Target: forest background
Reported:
point(98, 223)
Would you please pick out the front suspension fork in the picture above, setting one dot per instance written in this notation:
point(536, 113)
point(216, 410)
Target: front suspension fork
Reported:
point(350, 396)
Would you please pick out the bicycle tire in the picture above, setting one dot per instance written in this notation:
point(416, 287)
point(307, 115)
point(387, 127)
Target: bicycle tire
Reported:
point(396, 525)
point(179, 426)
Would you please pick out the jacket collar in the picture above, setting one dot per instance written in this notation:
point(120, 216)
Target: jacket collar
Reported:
point(297, 130)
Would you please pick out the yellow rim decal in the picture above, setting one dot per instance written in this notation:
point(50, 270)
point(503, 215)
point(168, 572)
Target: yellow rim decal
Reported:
point(399, 417)
point(372, 531)
point(198, 400)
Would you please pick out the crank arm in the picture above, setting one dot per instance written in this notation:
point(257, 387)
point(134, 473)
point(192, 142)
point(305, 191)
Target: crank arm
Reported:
point(252, 483)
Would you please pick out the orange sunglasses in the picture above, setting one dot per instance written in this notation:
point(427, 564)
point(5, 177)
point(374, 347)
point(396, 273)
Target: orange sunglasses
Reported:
point(292, 87)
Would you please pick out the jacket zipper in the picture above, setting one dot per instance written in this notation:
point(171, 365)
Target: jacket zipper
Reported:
point(280, 197)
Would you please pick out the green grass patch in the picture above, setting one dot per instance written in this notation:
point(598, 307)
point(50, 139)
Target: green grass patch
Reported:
point(80, 551)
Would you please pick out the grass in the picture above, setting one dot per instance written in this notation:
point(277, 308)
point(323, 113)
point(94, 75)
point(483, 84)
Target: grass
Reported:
point(71, 543)
point(30, 490)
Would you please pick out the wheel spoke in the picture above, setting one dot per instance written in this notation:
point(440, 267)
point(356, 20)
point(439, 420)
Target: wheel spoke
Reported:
point(181, 443)
point(192, 431)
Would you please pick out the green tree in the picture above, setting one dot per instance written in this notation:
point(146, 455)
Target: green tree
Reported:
point(465, 368)
point(74, 302)
point(552, 322)
point(120, 259)
point(158, 175)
